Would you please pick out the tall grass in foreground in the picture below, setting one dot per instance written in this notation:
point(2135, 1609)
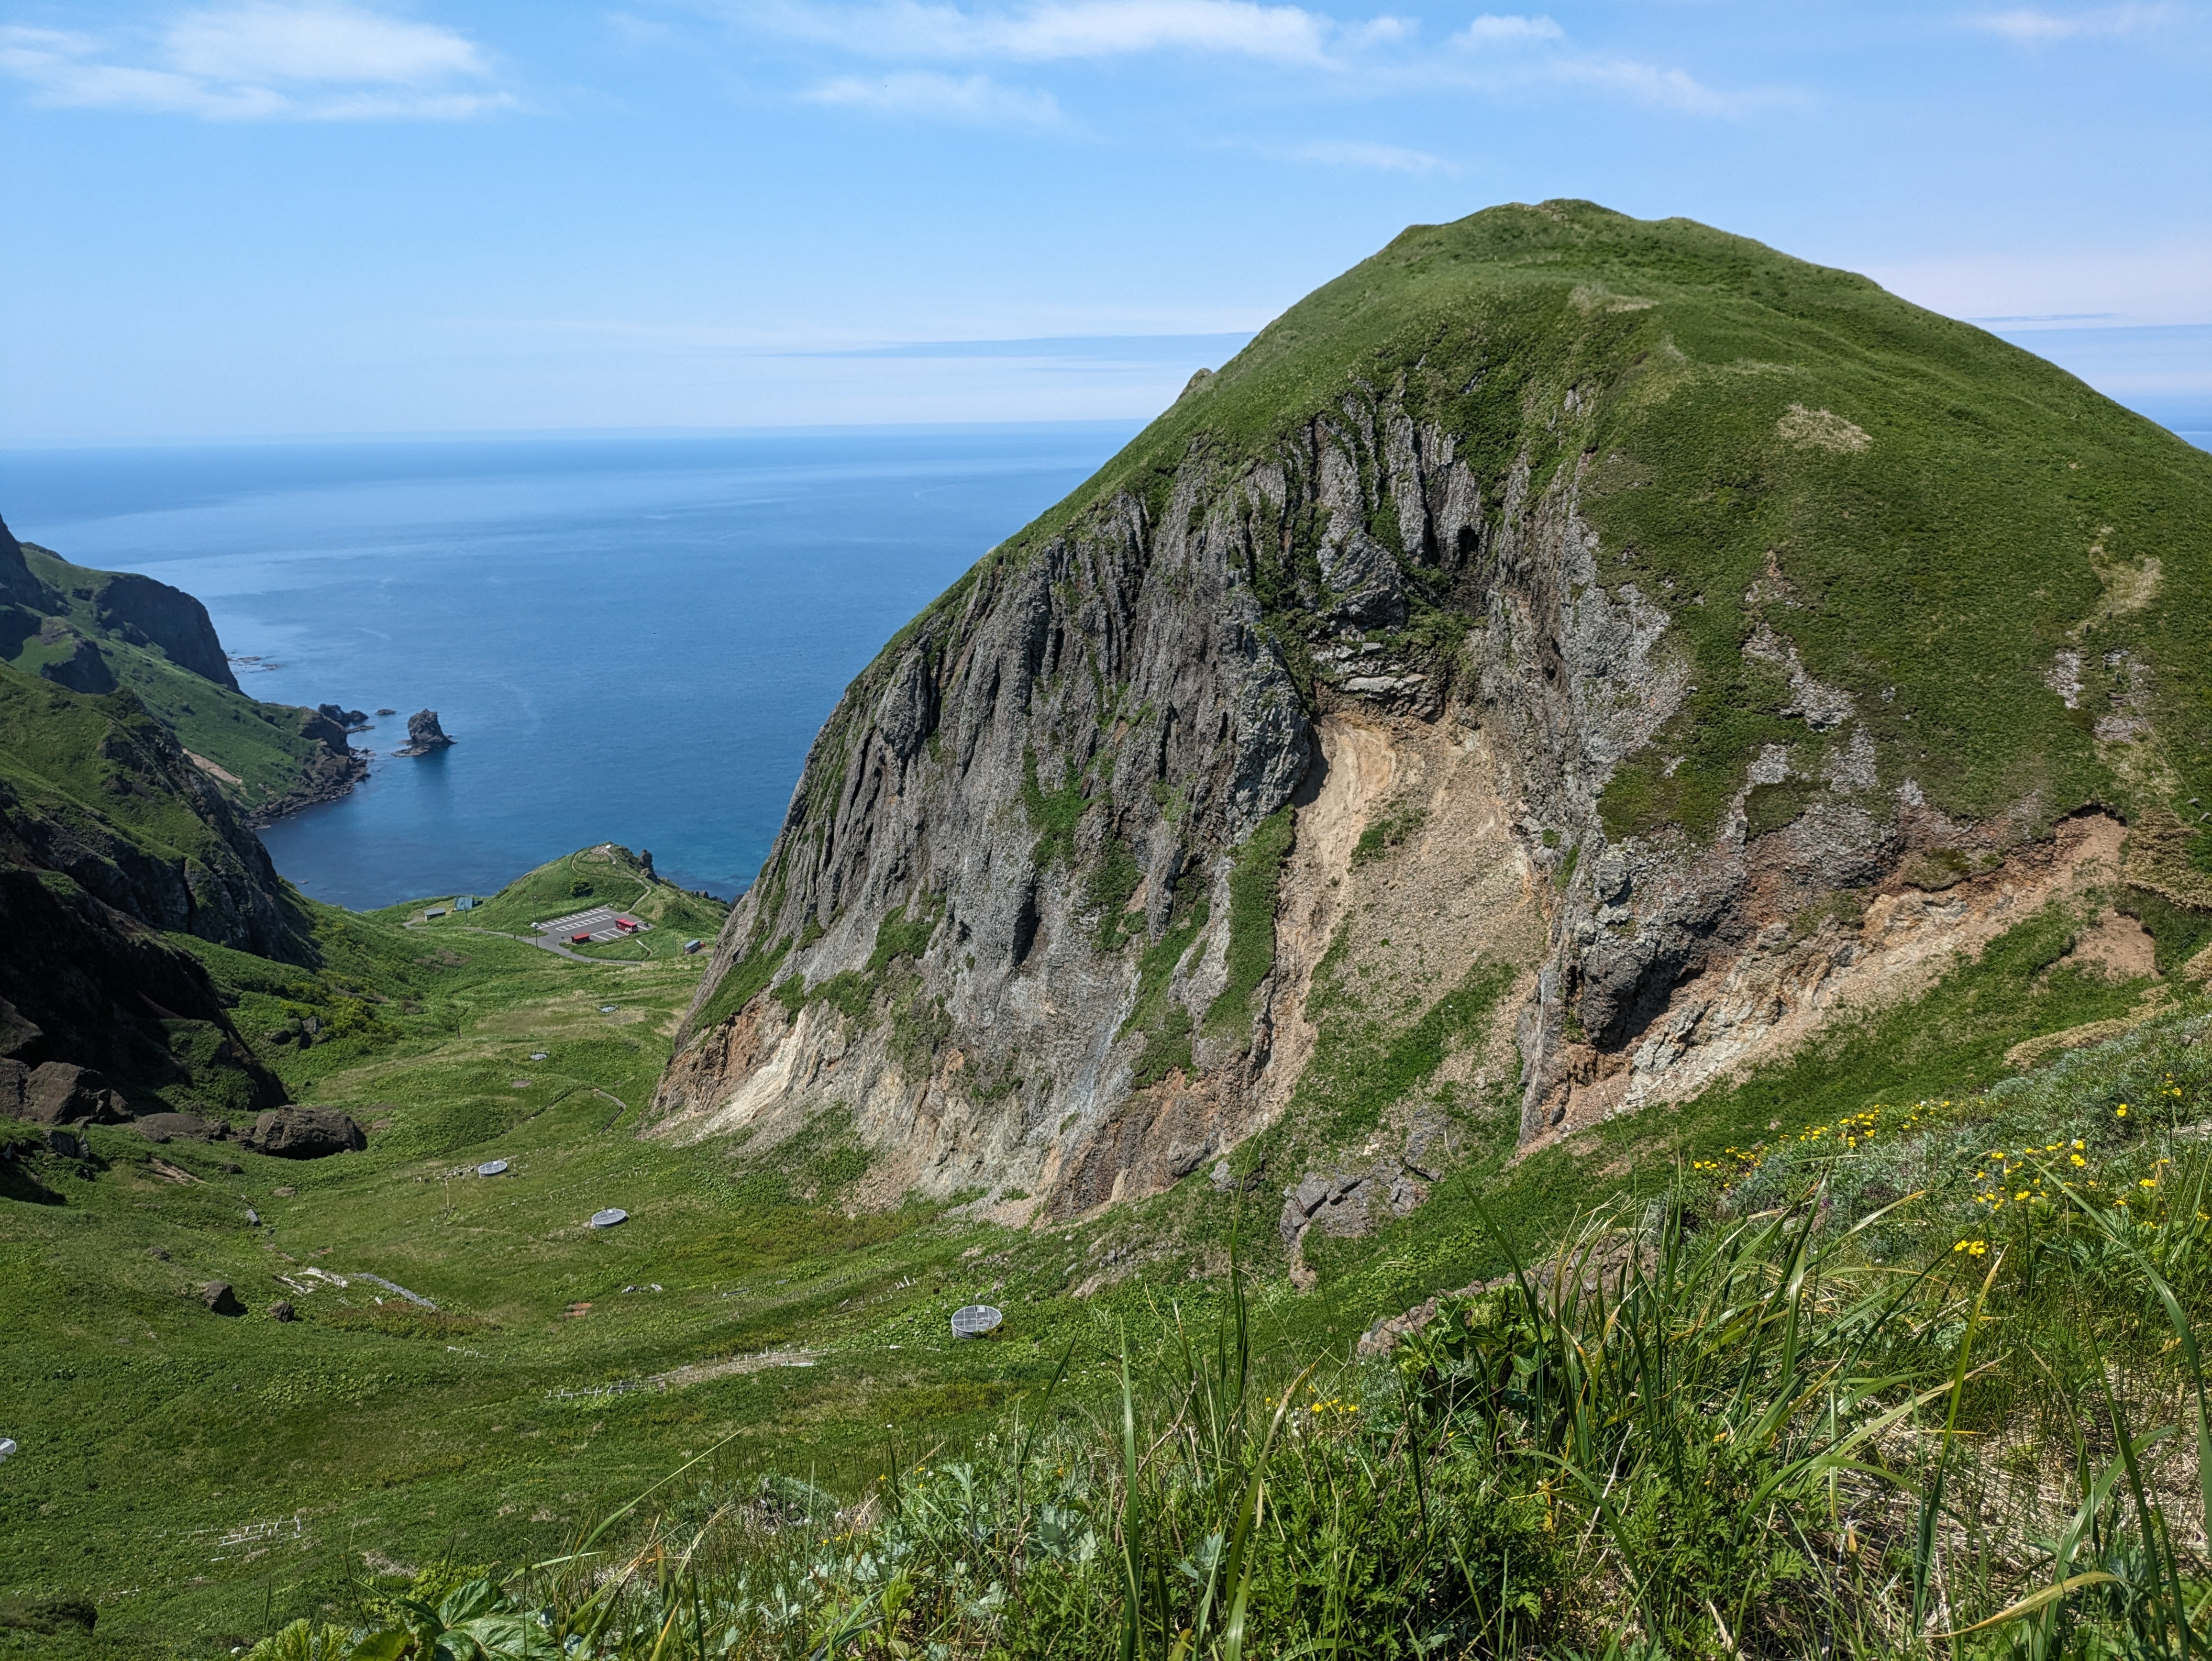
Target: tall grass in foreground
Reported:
point(1835, 1401)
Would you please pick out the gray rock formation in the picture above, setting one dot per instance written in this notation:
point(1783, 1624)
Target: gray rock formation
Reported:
point(219, 1297)
point(423, 735)
point(58, 1094)
point(136, 608)
point(1113, 697)
point(305, 1133)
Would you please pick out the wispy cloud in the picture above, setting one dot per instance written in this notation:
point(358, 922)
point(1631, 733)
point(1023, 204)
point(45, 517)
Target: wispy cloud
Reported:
point(1060, 30)
point(1503, 31)
point(2029, 27)
point(1381, 54)
point(968, 100)
point(318, 60)
point(1377, 158)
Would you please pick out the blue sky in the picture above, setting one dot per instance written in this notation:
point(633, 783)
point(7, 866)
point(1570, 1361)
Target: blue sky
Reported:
point(266, 218)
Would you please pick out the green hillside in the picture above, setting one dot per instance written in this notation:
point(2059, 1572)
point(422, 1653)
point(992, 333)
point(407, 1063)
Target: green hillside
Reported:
point(96, 632)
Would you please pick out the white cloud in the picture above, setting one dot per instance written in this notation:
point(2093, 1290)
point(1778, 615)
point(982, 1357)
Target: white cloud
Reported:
point(1065, 29)
point(315, 60)
point(2029, 27)
point(1494, 31)
point(968, 100)
point(1502, 49)
point(1377, 54)
point(1381, 158)
point(1648, 83)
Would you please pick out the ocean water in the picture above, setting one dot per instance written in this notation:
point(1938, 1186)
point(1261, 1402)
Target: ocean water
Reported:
point(630, 639)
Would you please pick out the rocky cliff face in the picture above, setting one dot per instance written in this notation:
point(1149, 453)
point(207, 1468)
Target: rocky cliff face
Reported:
point(1526, 672)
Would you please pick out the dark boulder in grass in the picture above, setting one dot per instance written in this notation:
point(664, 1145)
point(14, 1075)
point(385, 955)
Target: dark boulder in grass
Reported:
point(219, 1297)
point(281, 1310)
point(306, 1133)
point(58, 1094)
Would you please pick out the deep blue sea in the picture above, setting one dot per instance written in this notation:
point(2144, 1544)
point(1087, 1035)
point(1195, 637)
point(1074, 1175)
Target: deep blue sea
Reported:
point(630, 639)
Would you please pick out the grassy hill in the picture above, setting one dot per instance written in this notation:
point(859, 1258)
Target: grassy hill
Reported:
point(96, 632)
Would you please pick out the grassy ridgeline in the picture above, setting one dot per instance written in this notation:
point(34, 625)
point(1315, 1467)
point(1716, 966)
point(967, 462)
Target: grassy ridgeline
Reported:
point(1923, 1381)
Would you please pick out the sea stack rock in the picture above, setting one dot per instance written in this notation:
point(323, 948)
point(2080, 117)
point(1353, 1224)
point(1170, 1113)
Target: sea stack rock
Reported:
point(424, 734)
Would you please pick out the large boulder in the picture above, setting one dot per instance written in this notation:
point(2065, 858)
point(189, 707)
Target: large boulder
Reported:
point(58, 1092)
point(305, 1133)
point(218, 1296)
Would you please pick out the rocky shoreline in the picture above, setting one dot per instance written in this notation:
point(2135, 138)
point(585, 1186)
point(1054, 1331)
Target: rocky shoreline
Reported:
point(341, 767)
point(330, 778)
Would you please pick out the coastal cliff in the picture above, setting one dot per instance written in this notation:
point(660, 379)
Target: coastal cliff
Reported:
point(99, 631)
point(1555, 667)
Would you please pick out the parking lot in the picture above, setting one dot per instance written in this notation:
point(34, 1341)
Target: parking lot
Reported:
point(599, 922)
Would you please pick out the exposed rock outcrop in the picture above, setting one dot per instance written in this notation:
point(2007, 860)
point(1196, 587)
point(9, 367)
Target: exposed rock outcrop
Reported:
point(60, 1093)
point(305, 1133)
point(162, 843)
point(423, 735)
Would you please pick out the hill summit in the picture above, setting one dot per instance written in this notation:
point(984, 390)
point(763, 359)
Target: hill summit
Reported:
point(1561, 662)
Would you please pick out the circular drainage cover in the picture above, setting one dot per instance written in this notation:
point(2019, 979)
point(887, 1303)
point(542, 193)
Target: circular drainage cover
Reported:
point(975, 1320)
point(610, 1217)
point(492, 1168)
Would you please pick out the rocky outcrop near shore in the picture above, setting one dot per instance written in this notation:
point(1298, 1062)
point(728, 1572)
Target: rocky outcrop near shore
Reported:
point(424, 735)
point(327, 772)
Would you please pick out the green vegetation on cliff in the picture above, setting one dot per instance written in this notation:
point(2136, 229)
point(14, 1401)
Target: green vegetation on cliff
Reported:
point(103, 631)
